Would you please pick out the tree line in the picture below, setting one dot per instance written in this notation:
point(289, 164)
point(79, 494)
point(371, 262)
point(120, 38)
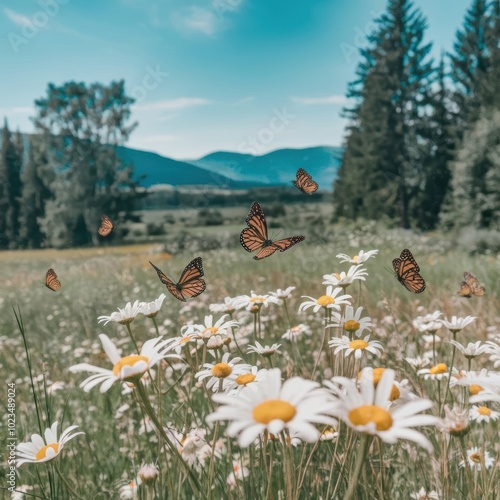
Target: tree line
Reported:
point(55, 186)
point(423, 141)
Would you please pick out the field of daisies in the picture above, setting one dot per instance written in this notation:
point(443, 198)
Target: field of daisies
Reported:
point(310, 374)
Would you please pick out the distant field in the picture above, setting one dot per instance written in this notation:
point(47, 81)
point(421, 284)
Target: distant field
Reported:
point(62, 329)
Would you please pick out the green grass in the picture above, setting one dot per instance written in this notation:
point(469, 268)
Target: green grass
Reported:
point(62, 330)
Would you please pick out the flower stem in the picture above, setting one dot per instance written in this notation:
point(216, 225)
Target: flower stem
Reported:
point(449, 374)
point(467, 468)
point(354, 476)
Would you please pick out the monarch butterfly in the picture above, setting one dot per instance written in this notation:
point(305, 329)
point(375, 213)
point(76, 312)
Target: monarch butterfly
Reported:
point(190, 283)
point(51, 280)
point(407, 272)
point(471, 286)
point(106, 225)
point(304, 182)
point(255, 237)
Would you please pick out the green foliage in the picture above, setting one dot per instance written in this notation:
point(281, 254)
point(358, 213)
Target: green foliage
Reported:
point(381, 170)
point(82, 126)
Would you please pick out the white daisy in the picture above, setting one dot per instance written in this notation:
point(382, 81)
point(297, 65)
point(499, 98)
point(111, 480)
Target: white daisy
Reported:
point(351, 321)
point(294, 406)
point(494, 351)
point(357, 346)
point(483, 414)
point(266, 351)
point(422, 494)
point(229, 306)
point(125, 368)
point(357, 259)
point(252, 301)
point(129, 490)
point(472, 350)
point(42, 449)
point(296, 331)
point(436, 372)
point(148, 473)
point(331, 300)
point(151, 309)
point(249, 379)
point(344, 279)
point(123, 316)
point(369, 409)
point(418, 362)
point(457, 324)
point(430, 323)
point(210, 329)
point(238, 473)
point(455, 422)
point(476, 458)
point(283, 294)
point(222, 373)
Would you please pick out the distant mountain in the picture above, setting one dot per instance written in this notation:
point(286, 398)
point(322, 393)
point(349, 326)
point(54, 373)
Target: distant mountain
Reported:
point(158, 169)
point(277, 167)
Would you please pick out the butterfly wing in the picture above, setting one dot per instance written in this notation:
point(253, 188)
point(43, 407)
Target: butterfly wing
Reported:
point(475, 287)
point(171, 286)
point(465, 290)
point(106, 225)
point(254, 236)
point(191, 282)
point(280, 245)
point(304, 182)
point(408, 272)
point(51, 280)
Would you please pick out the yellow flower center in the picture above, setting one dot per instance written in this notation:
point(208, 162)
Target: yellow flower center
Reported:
point(221, 370)
point(369, 413)
point(355, 259)
point(185, 340)
point(325, 300)
point(258, 299)
point(213, 330)
point(358, 344)
point(475, 457)
point(245, 378)
point(475, 389)
point(128, 361)
point(377, 375)
point(439, 368)
point(394, 393)
point(42, 452)
point(337, 275)
point(274, 409)
point(295, 329)
point(483, 410)
point(351, 325)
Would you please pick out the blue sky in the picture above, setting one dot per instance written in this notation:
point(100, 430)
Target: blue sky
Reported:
point(236, 75)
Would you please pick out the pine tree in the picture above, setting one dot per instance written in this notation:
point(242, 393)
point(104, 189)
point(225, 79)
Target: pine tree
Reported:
point(381, 169)
point(10, 188)
point(441, 145)
point(37, 177)
point(470, 63)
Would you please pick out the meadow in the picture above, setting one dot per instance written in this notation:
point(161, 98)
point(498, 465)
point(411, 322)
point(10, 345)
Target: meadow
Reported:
point(196, 458)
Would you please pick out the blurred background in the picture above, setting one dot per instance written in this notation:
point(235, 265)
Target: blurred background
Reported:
point(172, 117)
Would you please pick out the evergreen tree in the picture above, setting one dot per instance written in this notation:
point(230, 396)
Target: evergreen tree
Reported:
point(82, 127)
point(381, 170)
point(10, 188)
point(37, 176)
point(441, 145)
point(470, 63)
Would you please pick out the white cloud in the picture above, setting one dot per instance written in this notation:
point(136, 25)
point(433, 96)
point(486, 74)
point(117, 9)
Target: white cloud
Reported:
point(172, 104)
point(332, 99)
point(243, 100)
point(18, 19)
point(199, 19)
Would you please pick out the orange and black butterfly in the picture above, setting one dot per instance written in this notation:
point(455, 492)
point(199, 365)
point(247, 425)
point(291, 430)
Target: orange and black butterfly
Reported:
point(471, 286)
point(51, 280)
point(304, 182)
point(255, 238)
point(190, 283)
point(106, 225)
point(408, 272)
